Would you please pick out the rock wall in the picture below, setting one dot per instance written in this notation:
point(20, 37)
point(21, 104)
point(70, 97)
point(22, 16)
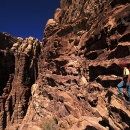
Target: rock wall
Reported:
point(19, 70)
point(82, 48)
point(71, 83)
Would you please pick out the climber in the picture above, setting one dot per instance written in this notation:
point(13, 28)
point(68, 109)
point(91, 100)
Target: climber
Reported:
point(125, 82)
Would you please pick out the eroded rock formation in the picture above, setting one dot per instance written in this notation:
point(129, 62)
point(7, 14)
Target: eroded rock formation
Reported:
point(73, 79)
point(19, 70)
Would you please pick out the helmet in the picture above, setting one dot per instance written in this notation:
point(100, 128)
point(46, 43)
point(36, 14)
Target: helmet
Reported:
point(123, 64)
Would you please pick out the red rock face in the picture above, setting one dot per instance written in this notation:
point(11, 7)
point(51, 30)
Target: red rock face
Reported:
point(74, 84)
point(19, 66)
point(83, 46)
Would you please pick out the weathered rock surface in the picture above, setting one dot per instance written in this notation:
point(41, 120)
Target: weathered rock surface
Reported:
point(19, 70)
point(74, 81)
point(81, 56)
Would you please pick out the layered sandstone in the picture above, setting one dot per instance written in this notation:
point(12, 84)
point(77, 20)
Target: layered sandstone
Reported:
point(82, 48)
point(72, 80)
point(19, 70)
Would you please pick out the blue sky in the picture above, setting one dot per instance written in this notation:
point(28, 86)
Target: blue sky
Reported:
point(24, 18)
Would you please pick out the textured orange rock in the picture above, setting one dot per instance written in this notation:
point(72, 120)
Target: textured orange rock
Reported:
point(77, 73)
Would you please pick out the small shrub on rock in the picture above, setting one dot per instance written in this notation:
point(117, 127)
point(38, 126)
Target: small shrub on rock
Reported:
point(50, 124)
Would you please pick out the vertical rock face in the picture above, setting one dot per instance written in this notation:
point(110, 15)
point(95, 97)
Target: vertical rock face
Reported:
point(82, 48)
point(19, 70)
point(7, 59)
point(73, 82)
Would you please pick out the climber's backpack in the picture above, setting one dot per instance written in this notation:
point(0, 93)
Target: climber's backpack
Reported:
point(126, 72)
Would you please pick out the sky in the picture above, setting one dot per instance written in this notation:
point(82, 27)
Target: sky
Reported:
point(24, 18)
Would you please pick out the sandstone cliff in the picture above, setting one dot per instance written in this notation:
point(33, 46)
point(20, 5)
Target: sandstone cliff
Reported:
point(19, 70)
point(72, 85)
